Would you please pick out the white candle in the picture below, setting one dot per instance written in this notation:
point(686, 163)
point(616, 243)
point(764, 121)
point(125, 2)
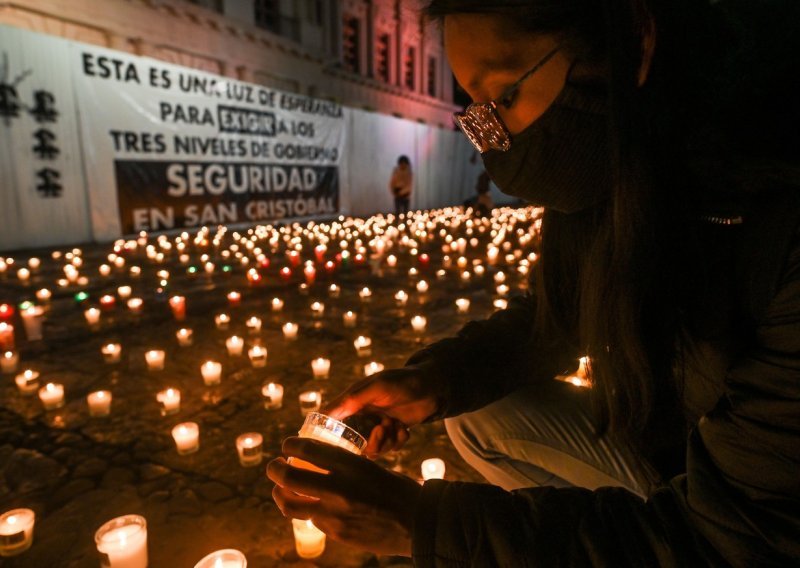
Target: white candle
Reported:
point(433, 468)
point(23, 274)
point(273, 396)
point(401, 298)
point(235, 345)
point(122, 542)
point(310, 401)
point(363, 346)
point(391, 261)
point(52, 396)
point(44, 295)
point(277, 304)
point(309, 541)
point(321, 367)
point(187, 437)
point(419, 323)
point(365, 294)
point(155, 359)
point(16, 531)
point(135, 305)
point(372, 368)
point(124, 292)
point(112, 353)
point(462, 305)
point(222, 321)
point(92, 316)
point(290, 330)
point(169, 400)
point(349, 318)
point(212, 373)
point(34, 263)
point(258, 356)
point(9, 362)
point(99, 403)
point(502, 290)
point(27, 382)
point(422, 287)
point(317, 309)
point(226, 558)
point(500, 304)
point(184, 337)
point(32, 320)
point(250, 449)
point(253, 325)
point(334, 291)
point(500, 277)
point(104, 270)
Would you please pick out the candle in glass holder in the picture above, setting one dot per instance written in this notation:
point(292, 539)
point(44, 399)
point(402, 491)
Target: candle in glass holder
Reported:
point(222, 321)
point(365, 294)
point(349, 318)
point(419, 323)
point(6, 336)
point(184, 337)
point(462, 305)
point(99, 403)
point(34, 263)
point(372, 368)
point(178, 306)
point(92, 316)
point(9, 361)
point(27, 382)
point(169, 400)
point(187, 437)
point(124, 292)
point(290, 330)
point(273, 396)
point(44, 295)
point(391, 261)
point(310, 274)
point(253, 324)
point(16, 531)
point(212, 373)
point(250, 448)
point(258, 356)
point(363, 346)
point(422, 286)
point(401, 298)
point(104, 270)
point(317, 309)
point(226, 558)
point(122, 542)
point(155, 359)
point(234, 298)
point(320, 367)
point(23, 274)
point(277, 304)
point(112, 353)
point(334, 291)
point(499, 277)
point(500, 303)
point(502, 290)
point(107, 302)
point(235, 345)
point(6, 311)
point(310, 401)
point(432, 468)
point(309, 541)
point(52, 396)
point(135, 305)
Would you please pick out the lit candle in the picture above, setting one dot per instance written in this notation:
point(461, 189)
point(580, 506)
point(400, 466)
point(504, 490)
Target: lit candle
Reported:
point(250, 448)
point(365, 294)
point(422, 287)
point(27, 382)
point(321, 367)
point(372, 368)
point(290, 330)
point(310, 273)
point(24, 274)
point(212, 373)
point(363, 346)
point(226, 558)
point(178, 306)
point(309, 541)
point(155, 359)
point(462, 305)
point(187, 437)
point(6, 311)
point(99, 403)
point(222, 321)
point(334, 291)
point(466, 276)
point(273, 396)
point(104, 270)
point(319, 252)
point(169, 400)
point(502, 290)
point(122, 542)
point(34, 263)
point(401, 298)
point(310, 401)
point(92, 316)
point(433, 468)
point(285, 274)
point(112, 353)
point(419, 323)
point(184, 337)
point(500, 277)
point(44, 295)
point(258, 356)
point(235, 345)
point(9, 362)
point(124, 292)
point(317, 309)
point(391, 261)
point(6, 336)
point(492, 254)
point(234, 298)
point(32, 320)
point(500, 304)
point(107, 302)
point(52, 396)
point(349, 319)
point(253, 324)
point(16, 531)
point(277, 304)
point(135, 305)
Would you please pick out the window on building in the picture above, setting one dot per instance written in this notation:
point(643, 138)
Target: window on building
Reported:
point(267, 15)
point(382, 57)
point(432, 73)
point(316, 14)
point(351, 44)
point(410, 68)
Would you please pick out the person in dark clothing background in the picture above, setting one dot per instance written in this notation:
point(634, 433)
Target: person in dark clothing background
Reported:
point(482, 202)
point(400, 185)
point(662, 138)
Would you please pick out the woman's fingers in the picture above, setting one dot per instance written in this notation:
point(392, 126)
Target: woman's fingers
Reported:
point(293, 505)
point(301, 481)
point(320, 454)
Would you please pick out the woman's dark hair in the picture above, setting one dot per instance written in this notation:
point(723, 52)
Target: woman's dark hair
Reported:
point(403, 160)
point(620, 279)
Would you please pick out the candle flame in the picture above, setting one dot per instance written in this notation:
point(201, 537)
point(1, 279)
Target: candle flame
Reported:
point(12, 520)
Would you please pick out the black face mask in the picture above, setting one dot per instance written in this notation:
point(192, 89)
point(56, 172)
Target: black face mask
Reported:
point(562, 160)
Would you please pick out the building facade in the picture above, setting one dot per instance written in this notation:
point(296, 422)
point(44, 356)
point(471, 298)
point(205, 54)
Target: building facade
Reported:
point(378, 55)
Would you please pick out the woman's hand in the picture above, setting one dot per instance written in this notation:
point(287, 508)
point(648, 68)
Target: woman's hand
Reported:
point(401, 397)
point(357, 502)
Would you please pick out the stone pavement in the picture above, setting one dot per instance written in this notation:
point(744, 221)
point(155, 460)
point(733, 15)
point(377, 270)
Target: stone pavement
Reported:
point(77, 472)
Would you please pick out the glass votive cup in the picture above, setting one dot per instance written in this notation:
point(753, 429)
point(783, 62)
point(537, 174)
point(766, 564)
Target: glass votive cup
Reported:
point(273, 396)
point(226, 558)
point(99, 403)
point(170, 401)
point(187, 438)
point(309, 541)
point(123, 542)
point(310, 401)
point(250, 447)
point(16, 531)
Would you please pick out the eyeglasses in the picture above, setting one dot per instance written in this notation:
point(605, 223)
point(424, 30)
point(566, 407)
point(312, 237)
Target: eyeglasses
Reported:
point(481, 123)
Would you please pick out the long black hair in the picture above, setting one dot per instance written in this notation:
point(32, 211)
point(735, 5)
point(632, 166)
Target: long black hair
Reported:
point(619, 279)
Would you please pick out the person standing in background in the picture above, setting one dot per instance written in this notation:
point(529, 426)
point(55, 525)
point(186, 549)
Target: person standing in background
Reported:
point(400, 184)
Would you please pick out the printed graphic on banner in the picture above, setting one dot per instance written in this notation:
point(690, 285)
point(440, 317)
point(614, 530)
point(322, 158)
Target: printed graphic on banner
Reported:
point(157, 196)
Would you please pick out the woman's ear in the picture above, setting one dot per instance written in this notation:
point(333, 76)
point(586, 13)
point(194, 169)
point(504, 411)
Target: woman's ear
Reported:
point(648, 45)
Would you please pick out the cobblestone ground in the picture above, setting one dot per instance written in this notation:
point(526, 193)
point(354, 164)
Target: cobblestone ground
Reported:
point(77, 472)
